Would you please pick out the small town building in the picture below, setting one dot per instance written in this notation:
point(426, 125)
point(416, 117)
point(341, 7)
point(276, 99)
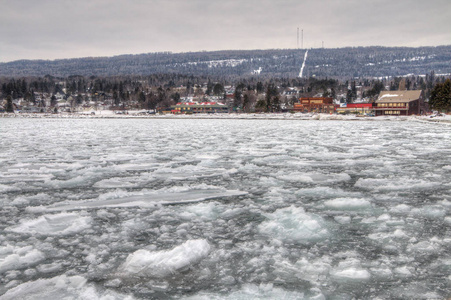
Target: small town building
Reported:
point(356, 108)
point(315, 104)
point(202, 107)
point(400, 103)
point(32, 109)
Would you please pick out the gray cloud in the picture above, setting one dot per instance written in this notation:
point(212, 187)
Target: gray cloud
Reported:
point(50, 29)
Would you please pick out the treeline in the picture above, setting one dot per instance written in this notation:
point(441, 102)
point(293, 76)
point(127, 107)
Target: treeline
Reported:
point(163, 90)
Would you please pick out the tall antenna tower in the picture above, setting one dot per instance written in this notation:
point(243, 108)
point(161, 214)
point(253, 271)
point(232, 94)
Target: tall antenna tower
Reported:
point(297, 43)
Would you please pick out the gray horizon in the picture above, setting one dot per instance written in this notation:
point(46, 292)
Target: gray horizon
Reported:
point(63, 29)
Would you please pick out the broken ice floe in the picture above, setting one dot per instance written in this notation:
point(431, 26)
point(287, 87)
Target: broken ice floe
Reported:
point(14, 257)
point(350, 271)
point(159, 264)
point(293, 223)
point(347, 204)
point(58, 224)
point(61, 287)
point(262, 291)
point(146, 198)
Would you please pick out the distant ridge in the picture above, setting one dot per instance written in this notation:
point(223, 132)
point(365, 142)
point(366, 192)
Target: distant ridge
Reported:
point(333, 63)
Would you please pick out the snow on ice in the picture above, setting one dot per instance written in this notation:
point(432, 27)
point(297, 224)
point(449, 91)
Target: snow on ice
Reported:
point(146, 263)
point(61, 287)
point(59, 224)
point(208, 208)
point(294, 224)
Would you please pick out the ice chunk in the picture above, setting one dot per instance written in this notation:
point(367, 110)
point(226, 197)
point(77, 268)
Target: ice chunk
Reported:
point(147, 198)
point(59, 224)
point(294, 223)
point(315, 177)
point(382, 273)
point(401, 209)
point(50, 268)
point(347, 204)
point(262, 291)
point(394, 185)
point(343, 219)
point(160, 264)
point(116, 182)
point(25, 178)
point(13, 258)
point(388, 238)
point(205, 211)
point(403, 272)
point(27, 200)
point(326, 192)
point(313, 270)
point(188, 172)
point(352, 274)
point(350, 271)
point(61, 287)
point(424, 247)
point(429, 211)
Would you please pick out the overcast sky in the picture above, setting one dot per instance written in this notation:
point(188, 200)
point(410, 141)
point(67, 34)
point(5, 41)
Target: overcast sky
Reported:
point(52, 29)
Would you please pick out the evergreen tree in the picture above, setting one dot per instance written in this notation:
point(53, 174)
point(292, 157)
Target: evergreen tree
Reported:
point(349, 96)
point(238, 95)
point(441, 96)
point(378, 86)
point(151, 101)
point(79, 99)
point(260, 106)
point(209, 88)
point(53, 101)
point(116, 98)
point(9, 104)
point(259, 87)
point(175, 97)
point(272, 99)
point(141, 97)
point(246, 102)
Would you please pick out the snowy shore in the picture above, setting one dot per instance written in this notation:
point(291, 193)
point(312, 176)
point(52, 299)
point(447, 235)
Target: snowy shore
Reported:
point(265, 116)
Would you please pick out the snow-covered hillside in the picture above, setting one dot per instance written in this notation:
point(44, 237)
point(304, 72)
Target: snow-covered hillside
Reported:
point(340, 62)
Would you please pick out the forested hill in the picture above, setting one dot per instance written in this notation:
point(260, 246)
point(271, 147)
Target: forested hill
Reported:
point(332, 63)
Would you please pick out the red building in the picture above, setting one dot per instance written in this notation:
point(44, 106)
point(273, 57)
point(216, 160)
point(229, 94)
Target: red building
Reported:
point(315, 104)
point(356, 108)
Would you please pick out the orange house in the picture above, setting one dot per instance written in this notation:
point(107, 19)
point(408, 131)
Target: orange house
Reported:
point(315, 104)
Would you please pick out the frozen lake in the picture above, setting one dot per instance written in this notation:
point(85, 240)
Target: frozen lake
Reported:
point(224, 209)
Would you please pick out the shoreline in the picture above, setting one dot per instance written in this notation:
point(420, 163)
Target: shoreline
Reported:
point(251, 116)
